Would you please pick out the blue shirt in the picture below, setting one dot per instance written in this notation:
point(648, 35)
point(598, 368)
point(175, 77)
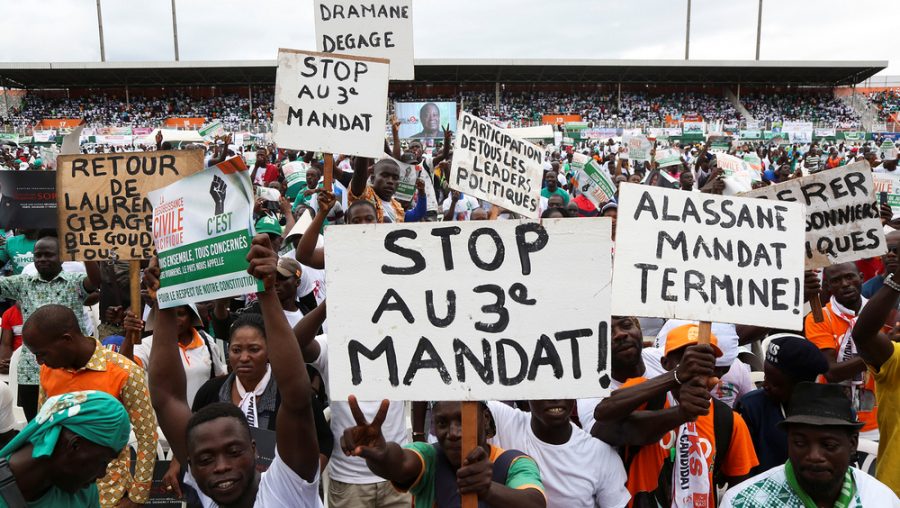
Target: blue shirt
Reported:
point(871, 286)
point(762, 415)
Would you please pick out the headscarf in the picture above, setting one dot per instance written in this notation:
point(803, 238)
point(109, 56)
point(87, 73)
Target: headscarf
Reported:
point(95, 416)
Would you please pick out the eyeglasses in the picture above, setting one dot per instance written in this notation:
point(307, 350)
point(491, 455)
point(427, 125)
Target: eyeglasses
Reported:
point(893, 248)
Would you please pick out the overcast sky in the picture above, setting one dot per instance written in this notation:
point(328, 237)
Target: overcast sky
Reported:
point(66, 30)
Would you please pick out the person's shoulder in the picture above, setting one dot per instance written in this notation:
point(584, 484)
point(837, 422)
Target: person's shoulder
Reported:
point(754, 399)
point(875, 489)
point(751, 483)
point(591, 446)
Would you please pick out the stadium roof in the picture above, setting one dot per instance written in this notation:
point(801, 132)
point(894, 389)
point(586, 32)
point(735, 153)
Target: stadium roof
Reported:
point(262, 72)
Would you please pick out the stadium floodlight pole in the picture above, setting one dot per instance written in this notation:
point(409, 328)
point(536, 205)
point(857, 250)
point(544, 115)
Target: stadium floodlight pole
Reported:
point(100, 25)
point(687, 33)
point(175, 30)
point(758, 28)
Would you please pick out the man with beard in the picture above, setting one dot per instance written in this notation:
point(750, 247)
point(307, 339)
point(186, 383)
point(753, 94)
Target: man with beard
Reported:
point(833, 336)
point(822, 438)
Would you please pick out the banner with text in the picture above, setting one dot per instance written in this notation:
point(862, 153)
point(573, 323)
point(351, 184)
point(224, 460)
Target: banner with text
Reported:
point(202, 229)
point(888, 183)
point(708, 258)
point(470, 311)
point(843, 220)
point(330, 103)
point(28, 199)
point(492, 165)
point(593, 181)
point(102, 204)
point(637, 148)
point(382, 30)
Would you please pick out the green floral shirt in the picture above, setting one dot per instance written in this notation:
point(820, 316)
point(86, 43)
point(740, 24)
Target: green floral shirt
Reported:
point(32, 292)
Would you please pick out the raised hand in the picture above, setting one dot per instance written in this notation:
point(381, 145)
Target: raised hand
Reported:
point(217, 190)
point(699, 361)
point(420, 186)
point(395, 123)
point(811, 284)
point(476, 473)
point(693, 400)
point(365, 439)
point(326, 201)
point(263, 260)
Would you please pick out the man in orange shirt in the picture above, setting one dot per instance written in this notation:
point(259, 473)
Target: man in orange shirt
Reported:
point(833, 337)
point(71, 362)
point(680, 444)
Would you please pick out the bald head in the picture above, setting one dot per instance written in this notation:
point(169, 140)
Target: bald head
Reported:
point(52, 333)
point(52, 321)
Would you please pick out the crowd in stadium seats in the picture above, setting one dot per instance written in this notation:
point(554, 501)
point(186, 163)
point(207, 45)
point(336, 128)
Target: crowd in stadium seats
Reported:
point(886, 102)
point(639, 109)
point(814, 107)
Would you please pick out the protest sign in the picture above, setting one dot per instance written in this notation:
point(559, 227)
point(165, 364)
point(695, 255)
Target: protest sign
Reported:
point(888, 150)
point(102, 204)
point(202, 229)
point(406, 186)
point(330, 103)
point(469, 311)
point(28, 200)
point(492, 165)
point(212, 129)
point(668, 157)
point(706, 257)
point(637, 148)
point(382, 30)
point(739, 174)
point(843, 220)
point(593, 181)
point(888, 183)
point(295, 177)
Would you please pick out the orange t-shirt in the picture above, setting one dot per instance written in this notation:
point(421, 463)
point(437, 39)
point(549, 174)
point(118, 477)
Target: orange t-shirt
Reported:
point(643, 475)
point(828, 335)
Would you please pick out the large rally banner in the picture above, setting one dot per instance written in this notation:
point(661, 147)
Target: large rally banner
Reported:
point(469, 311)
point(330, 103)
point(382, 30)
point(27, 199)
point(843, 220)
point(707, 257)
point(202, 228)
point(497, 167)
point(102, 205)
point(889, 184)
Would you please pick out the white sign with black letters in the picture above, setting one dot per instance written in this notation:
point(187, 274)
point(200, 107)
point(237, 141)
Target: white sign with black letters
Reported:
point(330, 103)
point(470, 310)
point(381, 30)
point(708, 258)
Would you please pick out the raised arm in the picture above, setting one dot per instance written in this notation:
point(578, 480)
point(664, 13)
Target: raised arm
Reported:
point(92, 282)
point(360, 176)
point(450, 212)
point(307, 251)
point(395, 137)
point(295, 427)
point(305, 332)
point(445, 149)
point(875, 347)
point(168, 384)
point(386, 459)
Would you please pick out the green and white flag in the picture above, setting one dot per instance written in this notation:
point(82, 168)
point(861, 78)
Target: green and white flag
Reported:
point(202, 229)
point(212, 129)
point(888, 150)
point(593, 181)
point(295, 176)
point(668, 157)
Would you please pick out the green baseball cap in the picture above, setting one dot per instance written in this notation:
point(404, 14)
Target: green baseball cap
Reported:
point(268, 224)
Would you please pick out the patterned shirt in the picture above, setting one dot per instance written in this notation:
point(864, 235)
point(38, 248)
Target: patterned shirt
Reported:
point(370, 196)
point(32, 292)
point(120, 377)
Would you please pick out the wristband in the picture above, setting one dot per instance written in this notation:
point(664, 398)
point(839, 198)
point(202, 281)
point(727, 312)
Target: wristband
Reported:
point(675, 375)
point(889, 282)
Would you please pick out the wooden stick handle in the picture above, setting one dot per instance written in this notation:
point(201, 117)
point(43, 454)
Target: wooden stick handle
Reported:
point(134, 269)
point(705, 332)
point(329, 171)
point(815, 304)
point(469, 442)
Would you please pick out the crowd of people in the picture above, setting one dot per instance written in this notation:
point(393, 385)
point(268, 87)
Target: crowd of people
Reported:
point(684, 425)
point(886, 103)
point(603, 108)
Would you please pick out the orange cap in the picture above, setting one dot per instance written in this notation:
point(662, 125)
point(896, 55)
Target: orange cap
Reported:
point(686, 335)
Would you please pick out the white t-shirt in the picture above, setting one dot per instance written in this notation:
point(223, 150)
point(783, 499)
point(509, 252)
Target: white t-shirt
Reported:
point(585, 407)
point(734, 383)
point(293, 317)
point(278, 486)
point(7, 416)
point(582, 473)
point(464, 206)
point(71, 267)
point(726, 336)
point(348, 469)
point(196, 363)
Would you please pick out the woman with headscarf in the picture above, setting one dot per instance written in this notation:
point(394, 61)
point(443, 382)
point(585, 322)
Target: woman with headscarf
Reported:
point(57, 458)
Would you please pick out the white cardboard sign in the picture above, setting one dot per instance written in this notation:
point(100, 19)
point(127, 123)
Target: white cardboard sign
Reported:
point(330, 103)
point(708, 258)
point(381, 30)
point(843, 219)
point(469, 311)
point(491, 164)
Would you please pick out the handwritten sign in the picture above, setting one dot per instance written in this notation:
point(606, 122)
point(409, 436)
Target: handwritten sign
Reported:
point(497, 167)
point(843, 220)
point(382, 30)
point(102, 204)
point(706, 257)
point(470, 311)
point(330, 103)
